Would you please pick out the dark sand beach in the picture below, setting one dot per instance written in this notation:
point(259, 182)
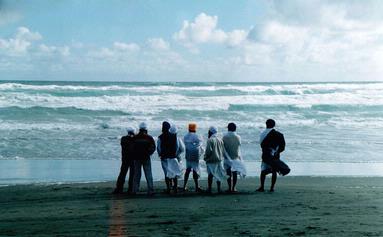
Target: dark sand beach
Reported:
point(311, 206)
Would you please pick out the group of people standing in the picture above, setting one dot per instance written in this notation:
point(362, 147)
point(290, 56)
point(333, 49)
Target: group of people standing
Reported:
point(222, 156)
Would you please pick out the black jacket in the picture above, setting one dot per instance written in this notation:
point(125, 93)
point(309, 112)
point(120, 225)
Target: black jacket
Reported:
point(273, 140)
point(127, 148)
point(143, 146)
point(168, 145)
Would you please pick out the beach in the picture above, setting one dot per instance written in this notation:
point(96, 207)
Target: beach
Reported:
point(301, 206)
point(60, 151)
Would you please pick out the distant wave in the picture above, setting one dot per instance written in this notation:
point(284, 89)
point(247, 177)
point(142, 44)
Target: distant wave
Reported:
point(35, 111)
point(68, 120)
point(152, 104)
point(287, 89)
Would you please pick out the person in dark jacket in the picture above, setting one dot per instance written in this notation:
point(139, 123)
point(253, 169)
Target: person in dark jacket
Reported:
point(169, 148)
point(127, 163)
point(272, 144)
point(162, 144)
point(143, 147)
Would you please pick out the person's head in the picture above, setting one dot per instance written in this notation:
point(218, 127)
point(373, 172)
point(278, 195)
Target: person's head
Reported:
point(192, 127)
point(130, 131)
point(143, 127)
point(173, 129)
point(165, 126)
point(231, 127)
point(270, 123)
point(212, 130)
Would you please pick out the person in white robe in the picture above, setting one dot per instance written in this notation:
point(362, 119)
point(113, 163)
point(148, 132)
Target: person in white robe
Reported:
point(233, 162)
point(193, 152)
point(214, 153)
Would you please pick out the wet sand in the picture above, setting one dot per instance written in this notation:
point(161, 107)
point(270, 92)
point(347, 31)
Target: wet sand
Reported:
point(311, 206)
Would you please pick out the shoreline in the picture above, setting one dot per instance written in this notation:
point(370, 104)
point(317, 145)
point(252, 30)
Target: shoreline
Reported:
point(333, 206)
point(13, 172)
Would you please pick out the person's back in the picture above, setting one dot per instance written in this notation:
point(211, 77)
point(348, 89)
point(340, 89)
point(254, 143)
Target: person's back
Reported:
point(214, 150)
point(144, 146)
point(127, 164)
point(192, 146)
point(193, 152)
point(272, 145)
point(168, 145)
point(127, 147)
point(232, 143)
point(213, 158)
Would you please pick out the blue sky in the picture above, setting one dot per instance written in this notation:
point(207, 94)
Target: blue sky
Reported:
point(191, 40)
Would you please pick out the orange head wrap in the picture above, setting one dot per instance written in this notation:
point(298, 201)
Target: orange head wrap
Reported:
point(192, 127)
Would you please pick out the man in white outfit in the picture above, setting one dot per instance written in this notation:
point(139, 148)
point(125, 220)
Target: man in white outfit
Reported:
point(213, 157)
point(233, 163)
point(193, 152)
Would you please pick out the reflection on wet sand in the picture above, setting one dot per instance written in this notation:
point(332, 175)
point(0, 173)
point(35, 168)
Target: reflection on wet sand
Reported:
point(117, 218)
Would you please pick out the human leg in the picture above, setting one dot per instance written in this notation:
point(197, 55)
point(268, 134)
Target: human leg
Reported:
point(235, 176)
point(137, 176)
point(164, 163)
point(229, 173)
point(131, 176)
point(175, 187)
point(262, 180)
point(186, 177)
point(219, 186)
point(209, 182)
point(148, 175)
point(195, 178)
point(273, 181)
point(121, 178)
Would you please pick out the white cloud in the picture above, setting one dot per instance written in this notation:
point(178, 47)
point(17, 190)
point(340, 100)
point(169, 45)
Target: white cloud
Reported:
point(158, 44)
point(64, 51)
point(332, 39)
point(26, 34)
point(327, 40)
point(204, 30)
point(126, 46)
point(22, 40)
point(236, 37)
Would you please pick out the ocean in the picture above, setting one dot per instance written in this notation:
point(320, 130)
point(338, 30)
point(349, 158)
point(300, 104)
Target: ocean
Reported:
point(322, 122)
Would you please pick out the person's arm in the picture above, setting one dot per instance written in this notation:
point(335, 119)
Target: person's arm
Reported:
point(181, 147)
point(282, 143)
point(208, 150)
point(239, 148)
point(201, 150)
point(225, 154)
point(152, 145)
point(122, 147)
point(159, 147)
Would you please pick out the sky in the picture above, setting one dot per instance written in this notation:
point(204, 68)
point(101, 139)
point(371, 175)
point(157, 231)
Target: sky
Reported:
point(135, 40)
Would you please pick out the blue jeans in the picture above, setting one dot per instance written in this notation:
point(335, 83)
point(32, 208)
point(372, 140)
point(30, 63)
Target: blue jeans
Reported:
point(146, 164)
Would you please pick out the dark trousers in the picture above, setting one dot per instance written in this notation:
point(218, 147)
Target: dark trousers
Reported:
point(125, 166)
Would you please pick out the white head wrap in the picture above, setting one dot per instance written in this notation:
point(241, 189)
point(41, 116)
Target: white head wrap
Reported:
point(143, 126)
point(213, 130)
point(173, 129)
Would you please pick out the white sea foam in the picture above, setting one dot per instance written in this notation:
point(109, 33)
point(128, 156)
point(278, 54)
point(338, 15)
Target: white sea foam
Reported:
point(35, 120)
point(259, 88)
point(151, 104)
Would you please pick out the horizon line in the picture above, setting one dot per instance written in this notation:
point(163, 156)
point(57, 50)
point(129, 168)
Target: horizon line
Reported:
point(134, 81)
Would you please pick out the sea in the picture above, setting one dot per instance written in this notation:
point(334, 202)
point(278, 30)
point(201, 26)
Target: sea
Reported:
point(70, 131)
